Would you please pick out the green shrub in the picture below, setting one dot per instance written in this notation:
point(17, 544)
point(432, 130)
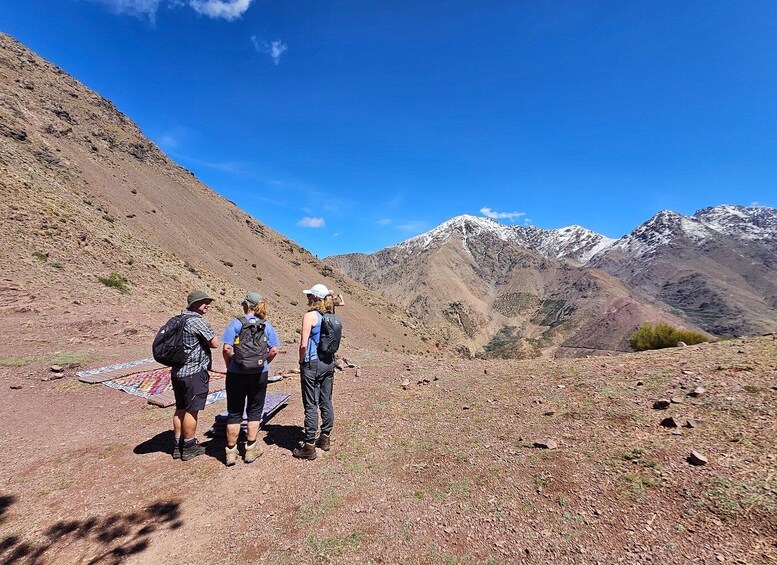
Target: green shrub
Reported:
point(41, 256)
point(117, 281)
point(227, 263)
point(661, 335)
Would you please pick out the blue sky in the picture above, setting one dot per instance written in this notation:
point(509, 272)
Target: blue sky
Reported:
point(351, 126)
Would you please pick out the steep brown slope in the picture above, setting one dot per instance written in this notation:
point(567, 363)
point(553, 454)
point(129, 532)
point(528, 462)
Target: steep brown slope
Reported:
point(493, 297)
point(85, 194)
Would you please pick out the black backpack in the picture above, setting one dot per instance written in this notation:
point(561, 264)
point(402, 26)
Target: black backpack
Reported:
point(329, 338)
point(251, 347)
point(168, 347)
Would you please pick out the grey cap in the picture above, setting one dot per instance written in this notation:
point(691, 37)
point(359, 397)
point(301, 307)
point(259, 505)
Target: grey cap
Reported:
point(197, 296)
point(252, 299)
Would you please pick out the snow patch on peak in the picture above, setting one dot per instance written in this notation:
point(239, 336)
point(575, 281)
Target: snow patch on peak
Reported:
point(742, 222)
point(465, 225)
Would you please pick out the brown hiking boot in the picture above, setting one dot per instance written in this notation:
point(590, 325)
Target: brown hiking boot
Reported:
point(191, 449)
point(305, 451)
point(252, 452)
point(231, 455)
point(323, 442)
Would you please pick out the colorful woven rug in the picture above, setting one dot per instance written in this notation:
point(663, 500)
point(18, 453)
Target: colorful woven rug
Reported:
point(157, 387)
point(117, 370)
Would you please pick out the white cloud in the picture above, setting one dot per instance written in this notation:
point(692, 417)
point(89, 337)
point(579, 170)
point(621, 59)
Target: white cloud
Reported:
point(413, 226)
point(137, 8)
point(228, 9)
point(494, 215)
point(308, 222)
point(274, 49)
point(384, 222)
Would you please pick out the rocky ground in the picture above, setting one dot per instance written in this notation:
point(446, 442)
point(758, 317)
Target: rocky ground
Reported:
point(432, 461)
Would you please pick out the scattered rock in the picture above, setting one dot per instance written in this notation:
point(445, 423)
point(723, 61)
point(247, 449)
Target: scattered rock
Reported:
point(53, 377)
point(698, 391)
point(545, 444)
point(548, 413)
point(465, 407)
point(670, 422)
point(640, 383)
point(661, 404)
point(691, 423)
point(681, 344)
point(405, 384)
point(16, 387)
point(677, 432)
point(697, 459)
point(358, 372)
point(677, 400)
point(56, 368)
point(686, 372)
point(485, 371)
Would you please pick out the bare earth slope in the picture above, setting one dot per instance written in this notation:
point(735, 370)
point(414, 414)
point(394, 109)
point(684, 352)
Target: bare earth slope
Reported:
point(442, 470)
point(85, 194)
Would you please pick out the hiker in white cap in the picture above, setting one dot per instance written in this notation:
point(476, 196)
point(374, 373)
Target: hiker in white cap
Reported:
point(250, 343)
point(316, 375)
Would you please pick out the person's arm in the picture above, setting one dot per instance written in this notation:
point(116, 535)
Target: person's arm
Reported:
point(308, 321)
point(227, 352)
point(271, 353)
point(214, 342)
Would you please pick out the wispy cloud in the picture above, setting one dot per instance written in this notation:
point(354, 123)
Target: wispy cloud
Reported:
point(494, 215)
point(413, 226)
point(308, 222)
point(274, 49)
point(384, 222)
point(228, 9)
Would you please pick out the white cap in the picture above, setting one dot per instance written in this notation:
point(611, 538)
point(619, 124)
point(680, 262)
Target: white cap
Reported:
point(317, 290)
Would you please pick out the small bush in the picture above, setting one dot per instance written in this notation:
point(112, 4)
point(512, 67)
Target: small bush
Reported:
point(662, 335)
point(117, 281)
point(227, 263)
point(41, 256)
point(108, 218)
point(57, 265)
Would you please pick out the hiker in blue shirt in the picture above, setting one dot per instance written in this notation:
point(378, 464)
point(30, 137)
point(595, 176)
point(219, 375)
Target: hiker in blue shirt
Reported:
point(247, 373)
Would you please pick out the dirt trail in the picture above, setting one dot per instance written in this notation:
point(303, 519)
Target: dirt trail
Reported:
point(442, 471)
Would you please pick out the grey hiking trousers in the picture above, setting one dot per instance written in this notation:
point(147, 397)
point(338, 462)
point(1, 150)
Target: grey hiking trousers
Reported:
point(317, 380)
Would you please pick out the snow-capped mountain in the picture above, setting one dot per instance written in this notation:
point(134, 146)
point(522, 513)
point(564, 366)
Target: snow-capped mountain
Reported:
point(572, 242)
point(716, 269)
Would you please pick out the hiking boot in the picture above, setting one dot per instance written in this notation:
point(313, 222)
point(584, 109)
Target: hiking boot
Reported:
point(231, 455)
point(191, 449)
point(252, 452)
point(305, 451)
point(177, 450)
point(323, 442)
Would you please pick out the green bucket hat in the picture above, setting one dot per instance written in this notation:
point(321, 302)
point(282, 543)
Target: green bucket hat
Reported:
point(197, 296)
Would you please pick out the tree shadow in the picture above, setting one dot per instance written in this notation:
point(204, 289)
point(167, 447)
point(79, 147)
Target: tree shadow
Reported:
point(287, 437)
point(113, 537)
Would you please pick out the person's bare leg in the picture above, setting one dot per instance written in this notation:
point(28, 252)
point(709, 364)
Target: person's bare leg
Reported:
point(233, 430)
point(177, 419)
point(189, 424)
point(253, 430)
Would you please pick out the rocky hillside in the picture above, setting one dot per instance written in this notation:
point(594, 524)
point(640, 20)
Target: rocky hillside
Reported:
point(103, 236)
point(513, 290)
point(489, 292)
point(716, 268)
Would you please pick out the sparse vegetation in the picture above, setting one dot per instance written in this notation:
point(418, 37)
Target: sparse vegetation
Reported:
point(227, 263)
point(662, 335)
point(117, 281)
point(40, 256)
point(108, 218)
point(57, 265)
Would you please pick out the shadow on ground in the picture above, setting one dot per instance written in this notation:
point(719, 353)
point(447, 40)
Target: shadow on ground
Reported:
point(287, 437)
point(110, 538)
